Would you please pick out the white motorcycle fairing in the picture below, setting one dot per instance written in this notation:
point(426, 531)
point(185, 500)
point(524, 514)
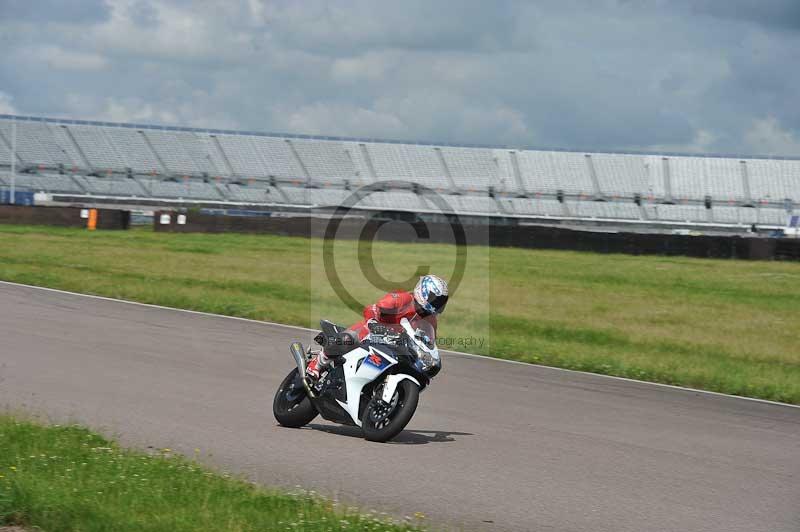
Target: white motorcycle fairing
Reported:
point(391, 382)
point(358, 374)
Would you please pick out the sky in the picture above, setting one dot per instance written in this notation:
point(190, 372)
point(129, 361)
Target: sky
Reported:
point(707, 76)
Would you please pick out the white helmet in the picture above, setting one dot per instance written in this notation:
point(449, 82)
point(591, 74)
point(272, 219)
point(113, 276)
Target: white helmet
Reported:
point(430, 294)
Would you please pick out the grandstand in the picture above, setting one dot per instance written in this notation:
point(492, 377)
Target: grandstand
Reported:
point(96, 160)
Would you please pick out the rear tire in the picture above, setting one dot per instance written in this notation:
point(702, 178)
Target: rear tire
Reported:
point(381, 421)
point(291, 406)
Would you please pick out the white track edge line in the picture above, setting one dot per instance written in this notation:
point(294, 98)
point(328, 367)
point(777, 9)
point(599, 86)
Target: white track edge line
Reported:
point(471, 355)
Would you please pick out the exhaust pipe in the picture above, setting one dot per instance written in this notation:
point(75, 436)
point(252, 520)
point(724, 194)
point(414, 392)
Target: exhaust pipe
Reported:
point(299, 355)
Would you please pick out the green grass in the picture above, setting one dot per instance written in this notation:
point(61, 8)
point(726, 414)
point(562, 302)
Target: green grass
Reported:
point(722, 325)
point(66, 478)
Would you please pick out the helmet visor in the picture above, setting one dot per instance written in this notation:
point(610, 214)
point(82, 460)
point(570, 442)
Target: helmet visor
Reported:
point(437, 303)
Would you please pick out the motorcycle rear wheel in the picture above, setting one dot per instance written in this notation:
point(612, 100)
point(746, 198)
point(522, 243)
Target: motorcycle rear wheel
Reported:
point(383, 421)
point(291, 406)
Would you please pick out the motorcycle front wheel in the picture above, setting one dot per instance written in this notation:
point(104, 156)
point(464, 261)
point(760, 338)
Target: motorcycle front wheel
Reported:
point(291, 406)
point(383, 421)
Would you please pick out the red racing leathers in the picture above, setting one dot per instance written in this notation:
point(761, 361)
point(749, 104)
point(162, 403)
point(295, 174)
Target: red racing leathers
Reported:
point(389, 310)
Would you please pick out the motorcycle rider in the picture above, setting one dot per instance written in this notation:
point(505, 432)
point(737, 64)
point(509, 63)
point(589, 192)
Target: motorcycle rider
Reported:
point(426, 302)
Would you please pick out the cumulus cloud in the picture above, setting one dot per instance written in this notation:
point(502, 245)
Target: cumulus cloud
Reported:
point(134, 110)
point(41, 11)
point(702, 142)
point(601, 74)
point(6, 107)
point(320, 118)
point(57, 57)
point(767, 136)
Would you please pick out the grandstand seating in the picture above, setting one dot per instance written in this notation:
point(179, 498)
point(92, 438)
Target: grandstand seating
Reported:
point(410, 163)
point(773, 180)
point(676, 213)
point(181, 152)
point(473, 204)
point(394, 200)
point(25, 181)
point(35, 143)
point(97, 148)
point(549, 172)
point(326, 163)
point(601, 209)
point(624, 210)
point(134, 149)
point(686, 176)
point(506, 175)
point(316, 196)
point(261, 157)
point(254, 194)
point(655, 184)
point(240, 151)
point(68, 146)
point(620, 175)
point(749, 215)
point(5, 155)
point(473, 169)
point(57, 183)
point(772, 216)
point(357, 153)
point(188, 189)
point(110, 186)
point(723, 179)
point(48, 183)
point(77, 157)
point(726, 214)
point(533, 206)
point(697, 177)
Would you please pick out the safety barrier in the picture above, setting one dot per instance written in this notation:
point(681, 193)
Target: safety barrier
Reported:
point(65, 216)
point(527, 236)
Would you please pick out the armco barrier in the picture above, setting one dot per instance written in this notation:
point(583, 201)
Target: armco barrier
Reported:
point(302, 226)
point(522, 236)
point(210, 223)
point(63, 216)
point(705, 246)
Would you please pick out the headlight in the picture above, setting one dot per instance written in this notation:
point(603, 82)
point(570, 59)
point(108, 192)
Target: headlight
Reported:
point(422, 345)
point(428, 359)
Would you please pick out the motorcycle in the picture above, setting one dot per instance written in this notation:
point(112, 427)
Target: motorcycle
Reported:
point(373, 384)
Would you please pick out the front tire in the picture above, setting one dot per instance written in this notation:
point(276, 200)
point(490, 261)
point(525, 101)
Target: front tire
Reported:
point(291, 406)
point(383, 421)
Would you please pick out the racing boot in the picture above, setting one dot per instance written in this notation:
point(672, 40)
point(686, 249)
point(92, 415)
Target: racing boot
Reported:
point(317, 365)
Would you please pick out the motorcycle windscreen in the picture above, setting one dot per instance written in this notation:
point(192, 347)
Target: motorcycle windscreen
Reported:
point(423, 330)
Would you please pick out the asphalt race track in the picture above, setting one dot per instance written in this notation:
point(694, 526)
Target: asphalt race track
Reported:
point(494, 445)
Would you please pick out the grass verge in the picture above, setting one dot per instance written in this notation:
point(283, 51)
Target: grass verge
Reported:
point(66, 478)
point(721, 325)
